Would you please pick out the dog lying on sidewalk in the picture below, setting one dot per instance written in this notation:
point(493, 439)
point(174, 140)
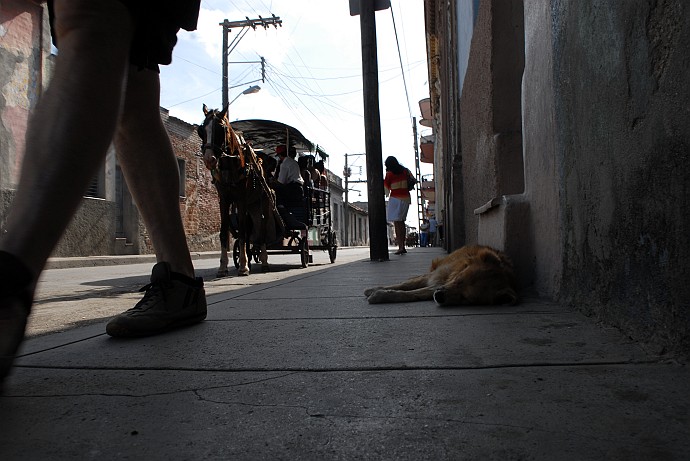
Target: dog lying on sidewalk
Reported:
point(470, 275)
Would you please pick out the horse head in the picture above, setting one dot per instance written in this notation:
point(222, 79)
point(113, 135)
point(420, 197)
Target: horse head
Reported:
point(218, 139)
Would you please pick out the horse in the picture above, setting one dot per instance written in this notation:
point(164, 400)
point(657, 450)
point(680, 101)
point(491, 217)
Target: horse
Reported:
point(239, 180)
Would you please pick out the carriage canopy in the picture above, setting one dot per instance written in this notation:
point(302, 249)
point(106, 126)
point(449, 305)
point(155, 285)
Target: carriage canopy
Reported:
point(265, 135)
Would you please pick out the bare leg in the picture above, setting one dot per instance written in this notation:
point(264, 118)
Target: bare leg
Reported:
point(400, 234)
point(150, 169)
point(66, 141)
point(71, 129)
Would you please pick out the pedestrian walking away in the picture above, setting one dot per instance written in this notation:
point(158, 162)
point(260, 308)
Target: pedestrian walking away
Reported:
point(105, 89)
point(433, 227)
point(396, 184)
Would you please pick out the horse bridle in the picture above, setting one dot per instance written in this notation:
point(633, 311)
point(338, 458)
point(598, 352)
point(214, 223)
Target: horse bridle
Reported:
point(210, 144)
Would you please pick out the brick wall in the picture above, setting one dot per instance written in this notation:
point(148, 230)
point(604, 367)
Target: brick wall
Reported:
point(199, 207)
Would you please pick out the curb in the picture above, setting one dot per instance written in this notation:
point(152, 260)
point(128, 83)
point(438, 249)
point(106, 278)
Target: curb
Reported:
point(114, 260)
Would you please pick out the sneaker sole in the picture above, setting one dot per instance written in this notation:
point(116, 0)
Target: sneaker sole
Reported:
point(121, 331)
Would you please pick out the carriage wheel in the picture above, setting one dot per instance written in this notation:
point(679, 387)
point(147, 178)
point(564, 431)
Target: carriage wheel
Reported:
point(304, 251)
point(332, 246)
point(236, 254)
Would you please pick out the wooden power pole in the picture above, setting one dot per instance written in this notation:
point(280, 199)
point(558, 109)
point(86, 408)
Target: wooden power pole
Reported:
point(247, 23)
point(378, 248)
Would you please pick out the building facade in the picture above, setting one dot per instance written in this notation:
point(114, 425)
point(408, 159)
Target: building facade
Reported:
point(561, 131)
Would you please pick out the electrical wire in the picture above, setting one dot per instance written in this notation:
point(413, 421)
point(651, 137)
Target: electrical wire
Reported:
point(402, 69)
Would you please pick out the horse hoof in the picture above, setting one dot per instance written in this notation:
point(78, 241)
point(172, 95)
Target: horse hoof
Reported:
point(222, 273)
point(243, 273)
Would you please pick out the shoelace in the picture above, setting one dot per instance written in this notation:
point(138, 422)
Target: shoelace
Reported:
point(153, 290)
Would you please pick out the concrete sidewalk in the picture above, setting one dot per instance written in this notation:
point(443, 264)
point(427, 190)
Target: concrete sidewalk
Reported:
point(304, 368)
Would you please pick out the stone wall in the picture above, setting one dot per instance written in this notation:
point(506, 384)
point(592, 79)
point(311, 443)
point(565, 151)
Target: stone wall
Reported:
point(199, 206)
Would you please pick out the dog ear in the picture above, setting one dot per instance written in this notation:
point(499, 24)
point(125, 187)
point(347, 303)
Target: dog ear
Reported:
point(489, 256)
point(506, 296)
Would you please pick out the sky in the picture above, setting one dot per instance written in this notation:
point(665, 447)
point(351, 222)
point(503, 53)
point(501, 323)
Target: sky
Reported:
point(313, 75)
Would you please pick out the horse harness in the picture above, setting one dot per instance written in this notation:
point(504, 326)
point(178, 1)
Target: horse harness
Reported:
point(250, 171)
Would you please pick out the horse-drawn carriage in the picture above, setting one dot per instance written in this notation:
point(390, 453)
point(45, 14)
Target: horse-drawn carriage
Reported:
point(239, 157)
point(307, 228)
point(308, 224)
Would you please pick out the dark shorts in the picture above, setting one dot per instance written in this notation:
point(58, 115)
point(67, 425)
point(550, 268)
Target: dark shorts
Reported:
point(156, 23)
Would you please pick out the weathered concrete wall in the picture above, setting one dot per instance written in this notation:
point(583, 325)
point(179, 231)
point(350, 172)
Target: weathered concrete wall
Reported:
point(603, 220)
point(478, 159)
point(623, 115)
point(491, 110)
point(541, 152)
point(25, 66)
point(89, 233)
point(21, 69)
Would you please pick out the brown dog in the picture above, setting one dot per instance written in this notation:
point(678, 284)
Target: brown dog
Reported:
point(469, 275)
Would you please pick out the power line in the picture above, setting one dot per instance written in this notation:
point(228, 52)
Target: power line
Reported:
point(402, 69)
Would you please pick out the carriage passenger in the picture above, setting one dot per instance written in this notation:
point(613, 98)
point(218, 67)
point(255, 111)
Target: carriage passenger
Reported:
point(322, 182)
point(304, 167)
point(289, 190)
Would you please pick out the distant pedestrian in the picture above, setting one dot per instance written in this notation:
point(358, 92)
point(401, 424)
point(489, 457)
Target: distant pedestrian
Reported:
point(396, 185)
point(424, 233)
point(433, 226)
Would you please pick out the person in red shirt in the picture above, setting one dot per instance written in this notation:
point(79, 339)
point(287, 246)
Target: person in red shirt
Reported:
point(399, 200)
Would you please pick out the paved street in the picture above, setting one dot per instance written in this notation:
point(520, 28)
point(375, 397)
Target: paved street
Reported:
point(296, 365)
point(84, 295)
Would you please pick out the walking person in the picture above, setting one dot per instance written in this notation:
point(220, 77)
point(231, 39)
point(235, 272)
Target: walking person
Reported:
point(424, 233)
point(396, 184)
point(433, 226)
point(105, 88)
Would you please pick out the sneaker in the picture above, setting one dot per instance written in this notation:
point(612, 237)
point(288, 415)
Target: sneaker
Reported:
point(171, 301)
point(16, 295)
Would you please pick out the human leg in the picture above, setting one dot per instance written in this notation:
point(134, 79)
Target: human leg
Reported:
point(71, 128)
point(423, 238)
point(174, 298)
point(150, 169)
point(400, 236)
point(67, 138)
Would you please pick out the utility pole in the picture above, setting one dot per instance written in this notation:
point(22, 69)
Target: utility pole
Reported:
point(274, 21)
point(347, 172)
point(378, 248)
point(418, 172)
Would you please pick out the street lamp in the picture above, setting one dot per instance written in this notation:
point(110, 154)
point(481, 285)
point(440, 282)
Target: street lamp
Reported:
point(251, 90)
